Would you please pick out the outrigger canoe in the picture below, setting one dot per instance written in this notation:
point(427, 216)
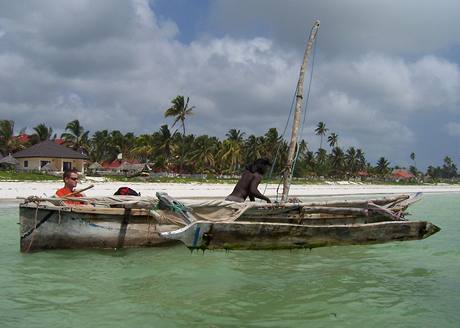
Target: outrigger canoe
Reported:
point(131, 221)
point(308, 225)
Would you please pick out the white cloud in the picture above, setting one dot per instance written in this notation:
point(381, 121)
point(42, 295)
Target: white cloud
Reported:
point(117, 67)
point(359, 125)
point(399, 86)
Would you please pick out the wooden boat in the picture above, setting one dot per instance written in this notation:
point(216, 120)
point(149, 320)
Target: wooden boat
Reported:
point(305, 225)
point(130, 221)
point(107, 222)
point(264, 235)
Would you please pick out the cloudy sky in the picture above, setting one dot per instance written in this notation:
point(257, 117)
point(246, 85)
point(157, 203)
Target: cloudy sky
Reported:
point(386, 75)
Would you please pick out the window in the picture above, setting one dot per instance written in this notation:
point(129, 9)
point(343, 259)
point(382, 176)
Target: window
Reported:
point(43, 163)
point(67, 166)
point(26, 164)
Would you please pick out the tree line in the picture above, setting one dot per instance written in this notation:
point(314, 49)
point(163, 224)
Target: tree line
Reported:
point(176, 151)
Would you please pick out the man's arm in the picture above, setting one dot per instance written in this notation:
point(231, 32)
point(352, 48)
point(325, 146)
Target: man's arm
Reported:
point(254, 192)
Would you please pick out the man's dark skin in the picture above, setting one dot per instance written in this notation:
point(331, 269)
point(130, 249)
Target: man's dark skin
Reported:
point(248, 183)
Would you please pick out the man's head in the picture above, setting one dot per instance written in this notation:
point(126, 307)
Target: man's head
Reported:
point(261, 165)
point(70, 178)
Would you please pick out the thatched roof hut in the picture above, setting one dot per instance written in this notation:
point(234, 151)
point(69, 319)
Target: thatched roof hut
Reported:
point(9, 160)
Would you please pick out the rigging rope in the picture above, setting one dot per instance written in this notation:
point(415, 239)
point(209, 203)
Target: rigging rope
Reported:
point(279, 145)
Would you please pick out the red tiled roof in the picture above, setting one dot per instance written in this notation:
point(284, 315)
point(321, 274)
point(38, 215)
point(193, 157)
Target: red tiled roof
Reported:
point(117, 163)
point(22, 138)
point(402, 174)
point(111, 165)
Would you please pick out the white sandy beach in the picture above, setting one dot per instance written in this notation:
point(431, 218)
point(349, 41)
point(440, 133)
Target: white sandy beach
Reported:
point(9, 191)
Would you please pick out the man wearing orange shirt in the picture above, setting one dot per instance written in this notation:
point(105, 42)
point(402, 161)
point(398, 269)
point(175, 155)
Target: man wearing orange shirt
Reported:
point(70, 178)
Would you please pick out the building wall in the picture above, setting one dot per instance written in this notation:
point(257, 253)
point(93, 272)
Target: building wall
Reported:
point(34, 163)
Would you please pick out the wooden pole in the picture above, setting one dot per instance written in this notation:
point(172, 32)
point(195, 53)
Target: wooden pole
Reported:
point(287, 175)
point(78, 191)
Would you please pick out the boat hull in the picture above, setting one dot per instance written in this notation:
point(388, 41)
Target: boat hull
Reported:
point(118, 223)
point(65, 227)
point(255, 235)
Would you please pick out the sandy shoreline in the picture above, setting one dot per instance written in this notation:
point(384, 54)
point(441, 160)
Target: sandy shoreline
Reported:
point(9, 191)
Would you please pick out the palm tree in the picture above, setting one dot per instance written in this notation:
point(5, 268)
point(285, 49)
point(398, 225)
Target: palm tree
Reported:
point(76, 136)
point(180, 110)
point(300, 165)
point(235, 135)
point(321, 161)
point(122, 143)
point(252, 148)
point(383, 166)
point(351, 158)
point(434, 172)
point(143, 147)
point(42, 133)
point(6, 136)
point(100, 149)
point(164, 148)
point(204, 153)
point(361, 160)
point(412, 157)
point(232, 155)
point(272, 143)
point(321, 131)
point(232, 149)
point(337, 161)
point(449, 169)
point(274, 147)
point(310, 162)
point(184, 145)
point(303, 149)
point(8, 142)
point(333, 140)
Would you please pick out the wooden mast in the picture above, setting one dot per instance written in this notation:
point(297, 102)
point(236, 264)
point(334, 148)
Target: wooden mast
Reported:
point(297, 114)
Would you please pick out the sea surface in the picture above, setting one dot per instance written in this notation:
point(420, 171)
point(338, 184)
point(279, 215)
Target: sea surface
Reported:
point(399, 284)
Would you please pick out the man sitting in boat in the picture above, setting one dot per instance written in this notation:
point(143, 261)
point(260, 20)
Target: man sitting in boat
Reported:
point(70, 178)
point(249, 181)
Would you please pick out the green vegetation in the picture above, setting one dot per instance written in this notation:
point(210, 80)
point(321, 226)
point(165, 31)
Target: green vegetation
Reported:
point(37, 176)
point(177, 152)
point(27, 176)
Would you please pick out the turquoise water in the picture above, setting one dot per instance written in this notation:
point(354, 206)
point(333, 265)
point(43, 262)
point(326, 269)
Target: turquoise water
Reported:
point(401, 284)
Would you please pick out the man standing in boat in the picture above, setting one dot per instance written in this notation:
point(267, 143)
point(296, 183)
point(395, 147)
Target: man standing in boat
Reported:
point(70, 178)
point(249, 181)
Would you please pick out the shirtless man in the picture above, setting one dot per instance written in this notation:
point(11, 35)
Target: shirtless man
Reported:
point(249, 181)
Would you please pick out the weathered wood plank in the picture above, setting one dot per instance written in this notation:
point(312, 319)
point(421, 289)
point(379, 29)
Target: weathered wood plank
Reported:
point(256, 235)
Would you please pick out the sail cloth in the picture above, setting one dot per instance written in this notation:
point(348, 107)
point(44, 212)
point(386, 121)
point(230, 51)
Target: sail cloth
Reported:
point(218, 211)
